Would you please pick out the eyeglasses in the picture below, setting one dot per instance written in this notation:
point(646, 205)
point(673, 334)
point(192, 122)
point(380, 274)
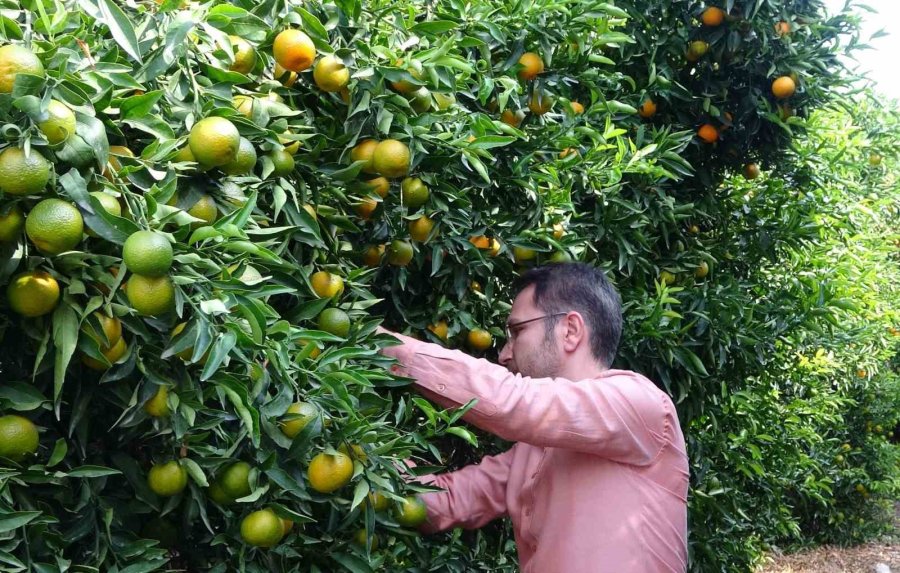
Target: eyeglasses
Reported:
point(512, 327)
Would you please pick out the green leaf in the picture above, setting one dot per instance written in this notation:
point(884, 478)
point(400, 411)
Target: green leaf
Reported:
point(92, 472)
point(194, 470)
point(359, 493)
point(16, 519)
point(20, 396)
point(220, 350)
point(141, 105)
point(353, 563)
point(464, 434)
point(313, 26)
point(65, 339)
point(60, 449)
point(434, 27)
point(491, 141)
point(121, 28)
point(113, 229)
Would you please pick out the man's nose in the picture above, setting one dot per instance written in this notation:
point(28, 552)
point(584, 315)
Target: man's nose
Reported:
point(505, 354)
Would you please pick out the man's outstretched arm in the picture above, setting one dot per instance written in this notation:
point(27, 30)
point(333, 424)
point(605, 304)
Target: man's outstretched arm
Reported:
point(619, 416)
point(475, 494)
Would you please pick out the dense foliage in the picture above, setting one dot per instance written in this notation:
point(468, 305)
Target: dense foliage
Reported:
point(749, 234)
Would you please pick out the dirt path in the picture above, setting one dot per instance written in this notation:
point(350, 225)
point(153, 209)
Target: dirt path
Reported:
point(829, 559)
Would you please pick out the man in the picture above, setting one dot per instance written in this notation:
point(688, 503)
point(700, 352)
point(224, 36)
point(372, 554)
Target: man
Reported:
point(597, 481)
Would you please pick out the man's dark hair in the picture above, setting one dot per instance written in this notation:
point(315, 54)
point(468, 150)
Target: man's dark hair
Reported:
point(564, 287)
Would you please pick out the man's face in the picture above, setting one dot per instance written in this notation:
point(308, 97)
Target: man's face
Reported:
point(529, 351)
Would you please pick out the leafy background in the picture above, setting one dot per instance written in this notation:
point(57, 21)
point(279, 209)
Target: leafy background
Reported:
point(763, 356)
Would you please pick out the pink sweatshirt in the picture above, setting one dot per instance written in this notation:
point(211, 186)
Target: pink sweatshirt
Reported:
point(597, 481)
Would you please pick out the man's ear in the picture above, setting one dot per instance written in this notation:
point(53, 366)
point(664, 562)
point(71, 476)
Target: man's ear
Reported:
point(575, 331)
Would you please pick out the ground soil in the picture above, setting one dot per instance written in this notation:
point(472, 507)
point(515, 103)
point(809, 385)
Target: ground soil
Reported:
point(832, 559)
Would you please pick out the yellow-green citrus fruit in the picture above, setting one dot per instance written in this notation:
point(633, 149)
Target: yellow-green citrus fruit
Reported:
point(244, 55)
point(244, 104)
point(184, 155)
point(21, 175)
point(114, 165)
point(33, 293)
point(109, 203)
point(303, 413)
point(15, 60)
point(532, 65)
point(365, 208)
point(713, 16)
point(294, 50)
point(151, 296)
point(335, 321)
point(60, 124)
point(378, 500)
point(479, 339)
point(697, 49)
point(18, 437)
point(235, 480)
point(326, 285)
point(371, 256)
point(292, 146)
point(331, 74)
point(414, 193)
point(110, 329)
point(287, 78)
point(354, 452)
point(204, 209)
point(523, 254)
point(11, 224)
point(647, 109)
point(218, 495)
point(188, 352)
point(147, 253)
point(440, 329)
point(112, 354)
point(666, 277)
point(168, 479)
point(360, 539)
point(262, 529)
point(380, 185)
point(245, 160)
point(329, 472)
point(283, 162)
point(540, 102)
point(399, 253)
point(420, 229)
point(158, 405)
point(784, 87)
point(364, 151)
point(412, 512)
point(54, 226)
point(702, 270)
point(391, 158)
point(214, 141)
point(444, 101)
point(512, 118)
point(421, 100)
point(416, 70)
point(751, 171)
point(560, 257)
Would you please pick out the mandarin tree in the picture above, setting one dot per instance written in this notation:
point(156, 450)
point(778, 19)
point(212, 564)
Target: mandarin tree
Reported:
point(263, 183)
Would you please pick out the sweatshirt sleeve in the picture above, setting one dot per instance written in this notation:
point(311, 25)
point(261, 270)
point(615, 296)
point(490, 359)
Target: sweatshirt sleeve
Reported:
point(474, 495)
point(620, 415)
